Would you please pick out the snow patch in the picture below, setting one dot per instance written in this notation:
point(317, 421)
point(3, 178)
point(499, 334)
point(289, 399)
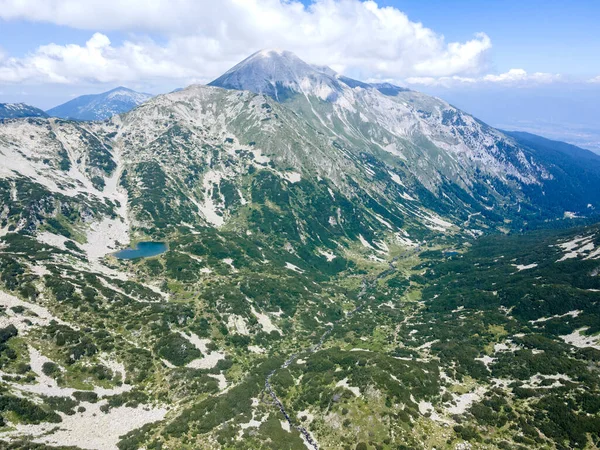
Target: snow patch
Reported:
point(486, 360)
point(579, 247)
point(292, 177)
point(265, 321)
point(344, 383)
point(42, 316)
point(291, 266)
point(92, 429)
point(256, 349)
point(573, 313)
point(579, 340)
point(54, 240)
point(221, 379)
point(210, 358)
point(426, 408)
point(521, 267)
point(229, 262)
point(208, 208)
point(105, 237)
point(237, 323)
point(464, 401)
point(396, 179)
point(365, 243)
point(329, 256)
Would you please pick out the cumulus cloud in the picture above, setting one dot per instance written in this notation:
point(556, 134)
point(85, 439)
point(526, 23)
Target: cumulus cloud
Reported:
point(199, 39)
point(514, 77)
point(97, 61)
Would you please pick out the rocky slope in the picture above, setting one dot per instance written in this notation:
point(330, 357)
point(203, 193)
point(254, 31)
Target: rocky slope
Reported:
point(444, 148)
point(322, 286)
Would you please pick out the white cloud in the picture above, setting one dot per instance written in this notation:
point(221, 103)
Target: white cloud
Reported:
point(439, 81)
point(202, 38)
point(458, 58)
point(520, 76)
point(97, 61)
point(594, 80)
point(514, 77)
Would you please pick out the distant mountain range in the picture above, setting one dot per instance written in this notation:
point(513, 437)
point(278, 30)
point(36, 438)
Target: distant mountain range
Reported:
point(18, 110)
point(100, 106)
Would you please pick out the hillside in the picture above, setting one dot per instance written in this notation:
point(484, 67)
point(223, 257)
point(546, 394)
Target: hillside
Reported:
point(344, 266)
point(448, 151)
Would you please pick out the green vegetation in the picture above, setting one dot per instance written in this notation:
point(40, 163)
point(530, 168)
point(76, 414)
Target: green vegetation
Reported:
point(25, 411)
point(329, 285)
point(176, 349)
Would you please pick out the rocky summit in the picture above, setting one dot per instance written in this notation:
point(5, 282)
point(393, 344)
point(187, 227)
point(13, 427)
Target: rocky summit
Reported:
point(314, 262)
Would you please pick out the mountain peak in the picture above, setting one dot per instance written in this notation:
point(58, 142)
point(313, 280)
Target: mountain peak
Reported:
point(281, 74)
point(278, 74)
point(272, 52)
point(120, 88)
point(100, 106)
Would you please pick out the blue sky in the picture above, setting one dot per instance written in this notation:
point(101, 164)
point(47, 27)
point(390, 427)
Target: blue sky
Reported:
point(508, 62)
point(546, 36)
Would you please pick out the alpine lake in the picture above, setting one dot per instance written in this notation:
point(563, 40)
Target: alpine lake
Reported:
point(142, 250)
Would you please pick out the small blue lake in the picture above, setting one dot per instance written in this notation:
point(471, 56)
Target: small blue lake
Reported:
point(142, 250)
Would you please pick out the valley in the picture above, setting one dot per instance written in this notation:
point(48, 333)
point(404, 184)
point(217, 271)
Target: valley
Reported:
point(309, 262)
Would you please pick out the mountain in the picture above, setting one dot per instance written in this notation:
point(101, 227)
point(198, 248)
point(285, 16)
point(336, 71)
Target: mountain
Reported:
point(439, 145)
point(100, 106)
point(343, 266)
point(18, 110)
point(574, 170)
point(549, 145)
point(278, 73)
